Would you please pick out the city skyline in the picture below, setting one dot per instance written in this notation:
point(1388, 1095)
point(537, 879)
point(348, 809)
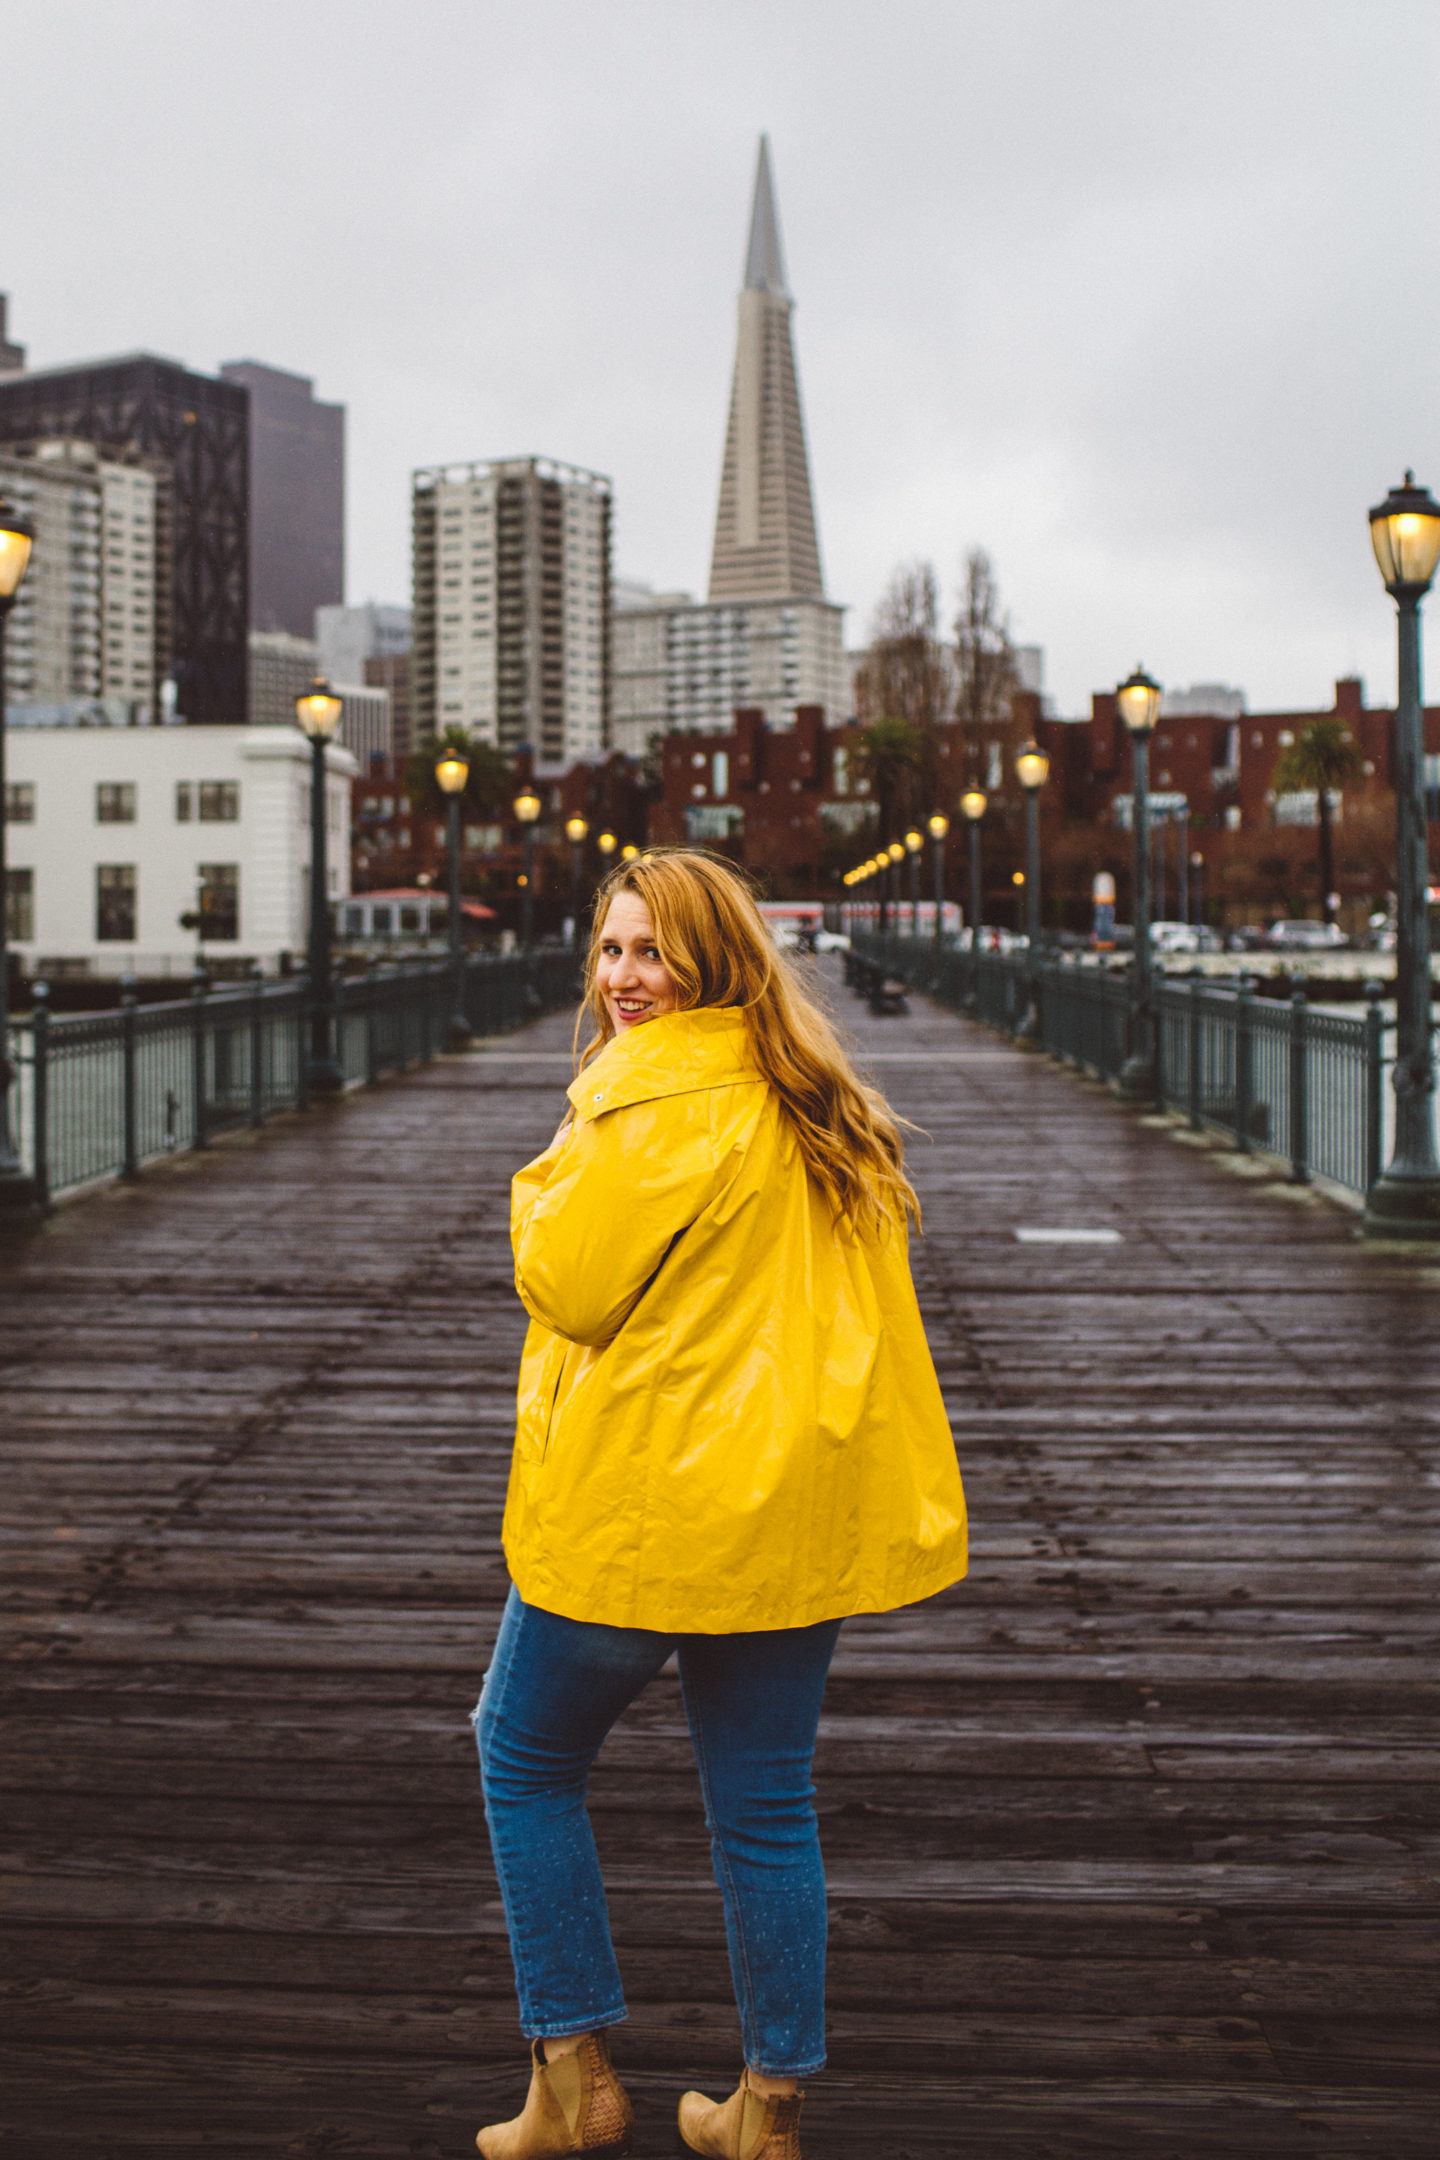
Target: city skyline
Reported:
point(1124, 301)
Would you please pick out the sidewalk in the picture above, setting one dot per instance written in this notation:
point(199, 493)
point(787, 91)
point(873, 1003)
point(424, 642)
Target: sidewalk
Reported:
point(1132, 1837)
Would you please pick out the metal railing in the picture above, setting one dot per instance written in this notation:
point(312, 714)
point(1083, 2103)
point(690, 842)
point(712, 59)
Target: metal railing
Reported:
point(100, 1095)
point(1276, 1078)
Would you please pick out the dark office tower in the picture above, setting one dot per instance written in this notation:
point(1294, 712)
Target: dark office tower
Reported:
point(297, 498)
point(12, 357)
point(192, 432)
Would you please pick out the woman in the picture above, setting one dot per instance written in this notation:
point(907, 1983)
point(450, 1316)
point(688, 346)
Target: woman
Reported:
point(729, 1437)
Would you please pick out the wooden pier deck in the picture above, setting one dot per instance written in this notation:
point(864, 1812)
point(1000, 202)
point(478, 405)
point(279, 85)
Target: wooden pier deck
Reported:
point(1132, 1838)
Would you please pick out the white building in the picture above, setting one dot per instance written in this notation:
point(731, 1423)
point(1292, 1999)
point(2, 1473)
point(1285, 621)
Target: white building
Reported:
point(81, 640)
point(115, 833)
point(511, 622)
point(681, 663)
point(349, 636)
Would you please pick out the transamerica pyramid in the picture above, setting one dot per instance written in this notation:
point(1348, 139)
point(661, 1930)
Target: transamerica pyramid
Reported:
point(765, 542)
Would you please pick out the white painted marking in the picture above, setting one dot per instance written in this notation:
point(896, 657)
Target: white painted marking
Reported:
point(1069, 1236)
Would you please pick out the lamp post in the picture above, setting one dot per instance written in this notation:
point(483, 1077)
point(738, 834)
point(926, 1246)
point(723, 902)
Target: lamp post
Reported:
point(914, 842)
point(1032, 770)
point(452, 770)
point(894, 856)
point(318, 711)
point(577, 830)
point(1139, 700)
point(939, 826)
point(527, 809)
point(1197, 886)
point(629, 853)
point(1405, 1199)
point(606, 843)
point(17, 1191)
point(973, 805)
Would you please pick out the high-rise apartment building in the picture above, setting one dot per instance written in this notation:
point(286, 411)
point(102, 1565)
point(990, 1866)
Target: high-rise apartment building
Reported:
point(282, 668)
point(297, 498)
point(81, 643)
point(511, 621)
point(190, 433)
point(766, 637)
point(12, 356)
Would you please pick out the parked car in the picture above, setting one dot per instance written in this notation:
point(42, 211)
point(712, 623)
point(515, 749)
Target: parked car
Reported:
point(1249, 937)
point(1305, 936)
point(1174, 937)
point(831, 941)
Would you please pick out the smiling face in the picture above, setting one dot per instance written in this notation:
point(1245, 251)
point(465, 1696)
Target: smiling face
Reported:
point(629, 972)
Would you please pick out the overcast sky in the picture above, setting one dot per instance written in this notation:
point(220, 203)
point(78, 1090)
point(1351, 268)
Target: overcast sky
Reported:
point(1137, 294)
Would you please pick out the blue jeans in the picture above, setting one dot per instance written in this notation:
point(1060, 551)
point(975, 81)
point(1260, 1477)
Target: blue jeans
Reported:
point(552, 1692)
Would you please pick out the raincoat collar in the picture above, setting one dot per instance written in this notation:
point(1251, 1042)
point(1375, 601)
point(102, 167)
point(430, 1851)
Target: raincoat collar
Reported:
point(674, 1055)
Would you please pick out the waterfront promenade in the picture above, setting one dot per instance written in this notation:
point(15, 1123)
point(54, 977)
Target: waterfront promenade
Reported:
point(1132, 1837)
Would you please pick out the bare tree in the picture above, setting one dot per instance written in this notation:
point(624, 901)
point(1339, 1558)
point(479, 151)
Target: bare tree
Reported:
point(985, 669)
point(904, 681)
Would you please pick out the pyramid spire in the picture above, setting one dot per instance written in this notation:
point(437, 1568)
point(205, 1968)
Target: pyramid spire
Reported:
point(764, 261)
point(765, 541)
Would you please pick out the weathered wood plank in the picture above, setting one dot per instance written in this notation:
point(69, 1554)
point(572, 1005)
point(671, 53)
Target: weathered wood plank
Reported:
point(1134, 1838)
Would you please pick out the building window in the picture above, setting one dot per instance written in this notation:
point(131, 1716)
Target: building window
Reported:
point(720, 772)
point(219, 802)
point(19, 802)
point(20, 905)
point(184, 802)
point(115, 802)
point(220, 901)
point(115, 903)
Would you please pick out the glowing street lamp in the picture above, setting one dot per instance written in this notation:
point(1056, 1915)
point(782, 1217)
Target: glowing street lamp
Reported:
point(1405, 1200)
point(452, 771)
point(938, 826)
point(577, 831)
point(1032, 770)
point(17, 1191)
point(318, 712)
point(1138, 698)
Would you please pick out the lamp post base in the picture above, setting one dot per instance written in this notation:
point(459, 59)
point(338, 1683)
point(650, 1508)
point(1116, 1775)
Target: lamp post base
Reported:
point(324, 1077)
point(1137, 1081)
point(19, 1198)
point(1027, 1034)
point(457, 1033)
point(1404, 1207)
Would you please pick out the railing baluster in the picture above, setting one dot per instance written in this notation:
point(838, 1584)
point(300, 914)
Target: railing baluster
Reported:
point(130, 1150)
point(1299, 1090)
point(40, 1090)
point(199, 1131)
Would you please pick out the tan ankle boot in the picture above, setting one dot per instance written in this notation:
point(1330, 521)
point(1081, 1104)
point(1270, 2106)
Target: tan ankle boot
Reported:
point(576, 2104)
point(747, 2126)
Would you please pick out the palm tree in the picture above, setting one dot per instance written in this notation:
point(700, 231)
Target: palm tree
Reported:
point(889, 754)
point(1323, 759)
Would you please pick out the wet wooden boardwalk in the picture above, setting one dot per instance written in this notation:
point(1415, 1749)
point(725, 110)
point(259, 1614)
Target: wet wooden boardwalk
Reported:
point(1132, 1838)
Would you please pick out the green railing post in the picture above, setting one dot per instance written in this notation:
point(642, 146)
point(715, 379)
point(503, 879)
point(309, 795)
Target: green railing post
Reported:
point(129, 1147)
point(1374, 1082)
point(40, 1090)
point(1244, 1061)
point(200, 1136)
point(1192, 1050)
point(1299, 1091)
point(372, 1047)
point(257, 1044)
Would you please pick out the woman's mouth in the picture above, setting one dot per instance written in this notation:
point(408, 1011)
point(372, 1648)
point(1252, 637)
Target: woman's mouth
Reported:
point(631, 1008)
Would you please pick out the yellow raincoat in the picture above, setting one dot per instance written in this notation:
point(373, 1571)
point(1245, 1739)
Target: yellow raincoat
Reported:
point(728, 1417)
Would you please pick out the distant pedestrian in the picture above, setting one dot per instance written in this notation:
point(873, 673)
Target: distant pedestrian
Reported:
point(730, 1437)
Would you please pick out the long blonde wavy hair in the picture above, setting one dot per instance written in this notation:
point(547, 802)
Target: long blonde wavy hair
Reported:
point(716, 944)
